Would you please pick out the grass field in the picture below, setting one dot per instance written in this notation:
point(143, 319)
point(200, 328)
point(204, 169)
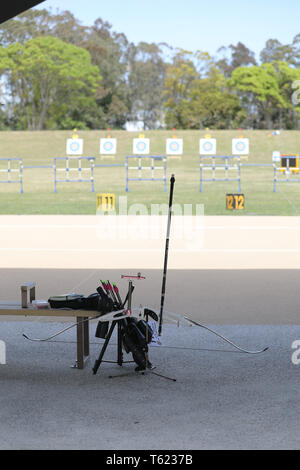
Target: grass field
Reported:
point(75, 198)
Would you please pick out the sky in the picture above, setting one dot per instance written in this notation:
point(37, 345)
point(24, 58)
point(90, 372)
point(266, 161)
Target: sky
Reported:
point(192, 24)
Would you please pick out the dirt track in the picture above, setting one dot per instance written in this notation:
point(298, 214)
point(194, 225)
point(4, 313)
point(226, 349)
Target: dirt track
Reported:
point(91, 242)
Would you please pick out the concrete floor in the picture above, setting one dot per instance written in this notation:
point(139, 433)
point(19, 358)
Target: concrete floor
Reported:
point(222, 399)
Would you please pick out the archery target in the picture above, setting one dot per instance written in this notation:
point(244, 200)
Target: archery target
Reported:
point(174, 147)
point(208, 146)
point(141, 146)
point(108, 146)
point(240, 146)
point(74, 147)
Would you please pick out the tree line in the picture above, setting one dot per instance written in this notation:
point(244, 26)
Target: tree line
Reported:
point(59, 74)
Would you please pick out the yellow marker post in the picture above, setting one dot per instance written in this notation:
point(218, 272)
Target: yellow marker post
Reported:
point(75, 135)
point(106, 202)
point(207, 136)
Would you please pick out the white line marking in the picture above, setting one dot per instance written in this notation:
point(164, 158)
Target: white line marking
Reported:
point(250, 227)
point(127, 250)
point(29, 226)
point(204, 227)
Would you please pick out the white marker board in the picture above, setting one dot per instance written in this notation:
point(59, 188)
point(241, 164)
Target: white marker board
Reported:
point(141, 146)
point(240, 146)
point(174, 147)
point(208, 147)
point(108, 146)
point(74, 147)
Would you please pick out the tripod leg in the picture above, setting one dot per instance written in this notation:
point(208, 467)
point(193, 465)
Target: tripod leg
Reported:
point(104, 347)
point(120, 352)
point(163, 376)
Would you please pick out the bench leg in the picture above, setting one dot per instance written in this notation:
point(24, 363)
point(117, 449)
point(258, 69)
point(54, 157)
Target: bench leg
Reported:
point(32, 294)
point(86, 338)
point(83, 342)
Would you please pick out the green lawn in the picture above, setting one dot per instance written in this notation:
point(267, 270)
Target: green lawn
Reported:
point(75, 198)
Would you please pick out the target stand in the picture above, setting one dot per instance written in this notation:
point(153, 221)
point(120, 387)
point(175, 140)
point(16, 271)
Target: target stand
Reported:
point(13, 166)
point(152, 168)
point(78, 168)
point(225, 164)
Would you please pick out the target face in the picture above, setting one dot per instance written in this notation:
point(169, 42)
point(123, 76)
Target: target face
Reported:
point(240, 146)
point(208, 147)
point(141, 146)
point(174, 147)
point(108, 146)
point(74, 147)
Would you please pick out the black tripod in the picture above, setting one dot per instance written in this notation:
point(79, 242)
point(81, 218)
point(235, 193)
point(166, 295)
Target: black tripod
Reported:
point(120, 324)
point(114, 294)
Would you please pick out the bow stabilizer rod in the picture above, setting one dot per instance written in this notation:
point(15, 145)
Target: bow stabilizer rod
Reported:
point(163, 287)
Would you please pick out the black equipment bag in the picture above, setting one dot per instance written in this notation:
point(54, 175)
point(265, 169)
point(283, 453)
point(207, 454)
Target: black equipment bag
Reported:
point(102, 329)
point(136, 336)
point(73, 301)
point(98, 301)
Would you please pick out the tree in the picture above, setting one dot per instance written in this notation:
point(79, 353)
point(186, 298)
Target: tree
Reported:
point(46, 76)
point(234, 57)
point(58, 73)
point(67, 28)
point(34, 23)
point(265, 92)
point(108, 51)
point(287, 116)
point(179, 82)
point(145, 82)
point(27, 25)
point(196, 94)
point(212, 104)
point(274, 51)
point(296, 50)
